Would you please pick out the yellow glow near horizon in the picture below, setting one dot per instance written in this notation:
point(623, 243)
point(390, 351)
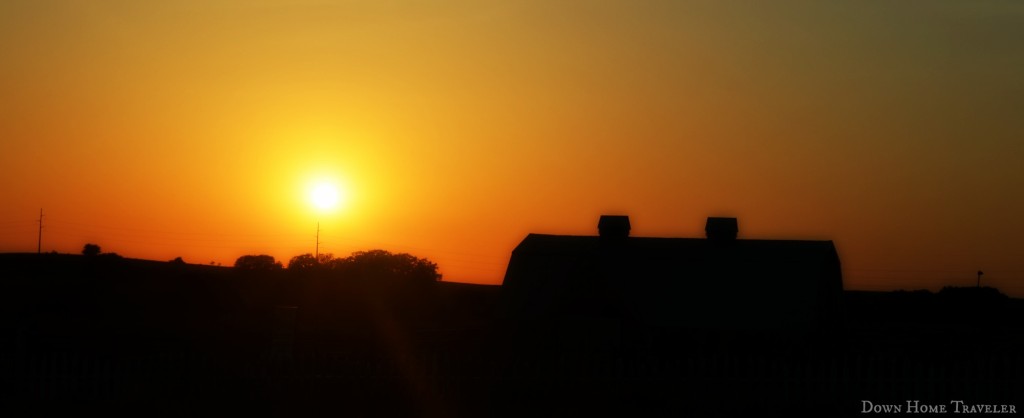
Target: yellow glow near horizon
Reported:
point(453, 131)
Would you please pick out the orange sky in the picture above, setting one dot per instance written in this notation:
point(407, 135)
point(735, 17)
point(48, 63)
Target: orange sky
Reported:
point(193, 129)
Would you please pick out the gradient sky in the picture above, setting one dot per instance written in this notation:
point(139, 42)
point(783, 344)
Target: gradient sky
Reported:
point(194, 129)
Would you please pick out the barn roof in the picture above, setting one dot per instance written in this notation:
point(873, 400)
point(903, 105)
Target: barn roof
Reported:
point(690, 282)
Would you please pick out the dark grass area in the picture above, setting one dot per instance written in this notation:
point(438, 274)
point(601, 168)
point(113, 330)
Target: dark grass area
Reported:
point(143, 337)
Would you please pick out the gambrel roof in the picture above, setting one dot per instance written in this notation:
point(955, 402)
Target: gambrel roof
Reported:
point(676, 282)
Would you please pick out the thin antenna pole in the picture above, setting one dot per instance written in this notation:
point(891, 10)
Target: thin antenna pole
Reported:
point(39, 247)
point(317, 256)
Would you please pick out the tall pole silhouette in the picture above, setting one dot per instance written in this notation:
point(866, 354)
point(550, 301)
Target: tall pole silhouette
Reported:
point(316, 255)
point(39, 243)
point(979, 278)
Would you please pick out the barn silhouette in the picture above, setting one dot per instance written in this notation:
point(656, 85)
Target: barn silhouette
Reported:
point(716, 283)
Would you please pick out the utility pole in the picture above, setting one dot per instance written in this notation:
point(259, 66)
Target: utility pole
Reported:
point(317, 256)
point(39, 247)
point(979, 278)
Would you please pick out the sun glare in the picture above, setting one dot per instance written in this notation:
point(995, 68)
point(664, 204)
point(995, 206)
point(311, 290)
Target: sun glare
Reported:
point(325, 196)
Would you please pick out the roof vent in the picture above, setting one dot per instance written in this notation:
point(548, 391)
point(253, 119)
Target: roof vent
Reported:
point(721, 228)
point(613, 226)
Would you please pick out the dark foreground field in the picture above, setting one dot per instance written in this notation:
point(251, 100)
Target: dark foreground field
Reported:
point(151, 338)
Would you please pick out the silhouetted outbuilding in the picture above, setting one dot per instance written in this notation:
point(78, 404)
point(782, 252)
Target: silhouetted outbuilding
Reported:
point(716, 283)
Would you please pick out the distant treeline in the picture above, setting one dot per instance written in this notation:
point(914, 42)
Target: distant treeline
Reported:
point(365, 295)
point(378, 334)
point(361, 265)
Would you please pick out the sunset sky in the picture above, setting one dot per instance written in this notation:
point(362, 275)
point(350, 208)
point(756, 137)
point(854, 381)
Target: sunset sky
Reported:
point(453, 129)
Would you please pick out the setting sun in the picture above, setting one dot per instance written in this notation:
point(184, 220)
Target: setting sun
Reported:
point(455, 129)
point(485, 207)
point(325, 196)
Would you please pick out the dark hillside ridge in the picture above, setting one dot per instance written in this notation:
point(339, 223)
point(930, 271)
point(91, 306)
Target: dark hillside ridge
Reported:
point(123, 333)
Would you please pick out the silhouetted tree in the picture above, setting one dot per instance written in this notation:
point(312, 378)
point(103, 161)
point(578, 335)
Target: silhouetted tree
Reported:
point(383, 265)
point(91, 249)
point(308, 262)
point(328, 259)
point(177, 261)
point(260, 262)
point(303, 263)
